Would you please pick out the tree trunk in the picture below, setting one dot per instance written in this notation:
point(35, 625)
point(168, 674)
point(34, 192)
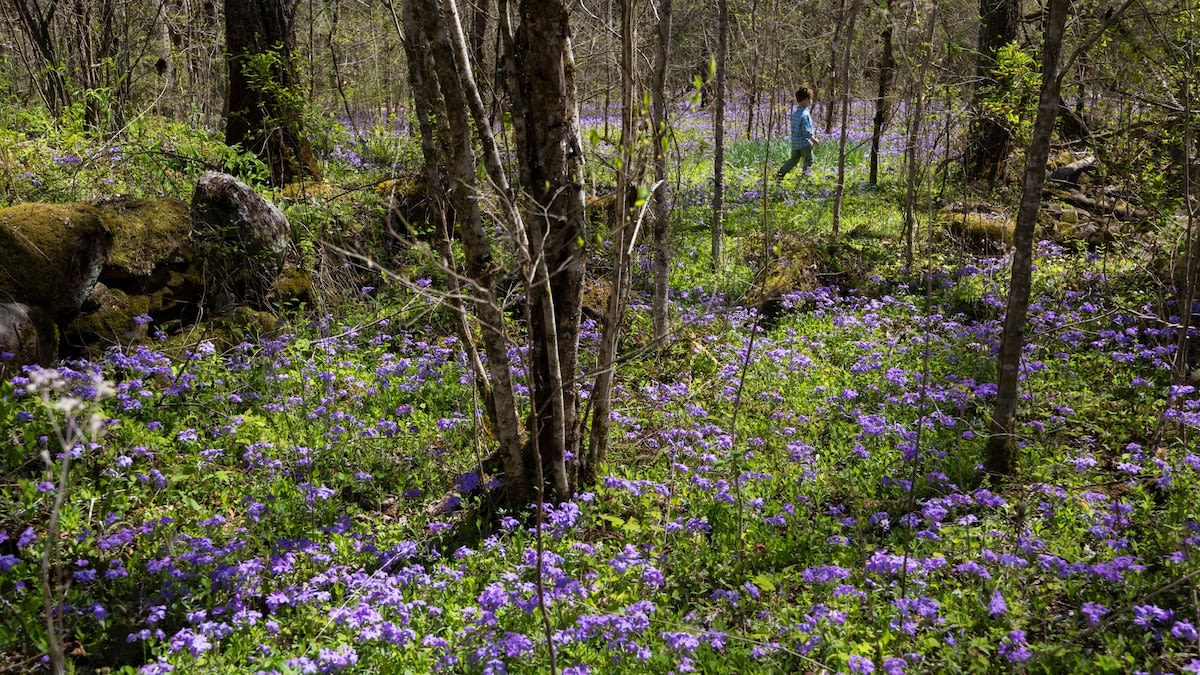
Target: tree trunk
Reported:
point(425, 15)
point(989, 138)
point(754, 94)
point(718, 197)
point(834, 51)
point(915, 121)
point(629, 176)
point(1187, 299)
point(263, 111)
point(658, 125)
point(887, 71)
point(166, 105)
point(1002, 446)
point(840, 192)
point(423, 82)
point(38, 25)
point(549, 154)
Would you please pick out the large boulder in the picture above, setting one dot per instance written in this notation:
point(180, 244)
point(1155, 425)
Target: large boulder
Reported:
point(110, 317)
point(979, 227)
point(51, 255)
point(150, 237)
point(27, 335)
point(241, 240)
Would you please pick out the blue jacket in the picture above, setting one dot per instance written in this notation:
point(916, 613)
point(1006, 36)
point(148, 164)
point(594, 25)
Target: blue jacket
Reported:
point(802, 128)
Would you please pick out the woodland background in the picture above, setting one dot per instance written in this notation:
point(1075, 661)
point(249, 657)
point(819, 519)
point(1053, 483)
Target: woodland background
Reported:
point(566, 380)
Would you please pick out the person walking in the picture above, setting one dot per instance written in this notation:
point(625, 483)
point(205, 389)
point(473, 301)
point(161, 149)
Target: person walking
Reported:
point(803, 139)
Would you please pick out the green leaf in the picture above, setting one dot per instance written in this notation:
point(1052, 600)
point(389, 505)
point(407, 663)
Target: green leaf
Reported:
point(764, 582)
point(617, 521)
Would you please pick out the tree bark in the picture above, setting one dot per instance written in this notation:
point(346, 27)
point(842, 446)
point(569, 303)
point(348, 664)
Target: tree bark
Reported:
point(887, 71)
point(718, 197)
point(1187, 299)
point(915, 121)
point(542, 89)
point(660, 130)
point(989, 138)
point(481, 265)
point(1002, 446)
point(840, 192)
point(629, 175)
point(834, 50)
point(38, 26)
point(263, 110)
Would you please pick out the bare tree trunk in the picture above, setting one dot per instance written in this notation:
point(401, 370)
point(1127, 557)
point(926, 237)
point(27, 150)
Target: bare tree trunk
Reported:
point(887, 71)
point(718, 197)
point(833, 72)
point(1002, 446)
point(840, 193)
point(260, 115)
point(989, 138)
point(1192, 260)
point(480, 264)
point(166, 104)
point(915, 121)
point(659, 125)
point(37, 24)
point(628, 178)
point(755, 66)
point(546, 126)
point(423, 82)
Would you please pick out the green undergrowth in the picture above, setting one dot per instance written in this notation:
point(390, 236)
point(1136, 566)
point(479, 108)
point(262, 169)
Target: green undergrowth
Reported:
point(795, 489)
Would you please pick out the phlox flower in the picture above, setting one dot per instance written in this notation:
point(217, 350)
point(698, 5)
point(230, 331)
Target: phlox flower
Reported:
point(1014, 648)
point(996, 605)
point(860, 664)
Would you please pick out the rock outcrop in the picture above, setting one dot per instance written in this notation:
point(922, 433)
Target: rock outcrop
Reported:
point(27, 335)
point(51, 255)
point(241, 240)
point(88, 276)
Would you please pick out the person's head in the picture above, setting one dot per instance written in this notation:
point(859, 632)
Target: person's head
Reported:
point(804, 96)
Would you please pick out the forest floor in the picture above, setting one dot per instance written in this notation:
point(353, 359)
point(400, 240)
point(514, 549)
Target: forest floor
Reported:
point(789, 491)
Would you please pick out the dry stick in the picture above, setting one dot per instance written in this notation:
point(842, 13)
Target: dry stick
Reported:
point(540, 490)
point(922, 403)
point(49, 555)
point(1180, 370)
point(737, 465)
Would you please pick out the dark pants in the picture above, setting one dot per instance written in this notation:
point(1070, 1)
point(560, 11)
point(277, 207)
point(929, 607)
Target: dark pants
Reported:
point(797, 155)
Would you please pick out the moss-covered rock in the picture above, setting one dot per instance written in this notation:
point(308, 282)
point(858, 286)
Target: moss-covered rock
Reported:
point(292, 287)
point(241, 240)
point(51, 255)
point(111, 320)
point(410, 208)
point(27, 335)
point(793, 265)
point(148, 234)
point(601, 210)
point(979, 227)
point(240, 325)
point(310, 191)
